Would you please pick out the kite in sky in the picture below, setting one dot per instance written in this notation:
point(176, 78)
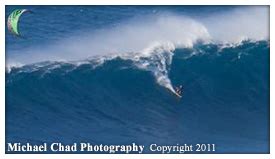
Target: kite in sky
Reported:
point(13, 20)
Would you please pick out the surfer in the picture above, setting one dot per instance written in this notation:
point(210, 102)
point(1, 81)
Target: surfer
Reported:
point(179, 90)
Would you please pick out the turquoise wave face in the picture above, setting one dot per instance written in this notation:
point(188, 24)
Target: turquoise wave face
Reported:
point(225, 100)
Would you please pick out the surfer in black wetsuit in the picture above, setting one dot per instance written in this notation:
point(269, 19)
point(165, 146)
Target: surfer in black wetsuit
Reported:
point(179, 90)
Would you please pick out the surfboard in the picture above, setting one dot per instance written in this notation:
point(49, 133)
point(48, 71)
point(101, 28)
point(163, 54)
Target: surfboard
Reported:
point(178, 95)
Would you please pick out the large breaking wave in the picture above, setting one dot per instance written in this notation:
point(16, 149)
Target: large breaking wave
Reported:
point(151, 41)
point(157, 59)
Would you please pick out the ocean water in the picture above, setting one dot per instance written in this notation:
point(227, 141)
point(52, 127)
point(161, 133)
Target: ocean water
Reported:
point(106, 75)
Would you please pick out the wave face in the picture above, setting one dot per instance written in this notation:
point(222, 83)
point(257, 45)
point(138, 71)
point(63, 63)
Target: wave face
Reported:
point(120, 99)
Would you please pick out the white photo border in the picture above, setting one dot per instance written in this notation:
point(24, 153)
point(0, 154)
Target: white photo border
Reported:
point(3, 3)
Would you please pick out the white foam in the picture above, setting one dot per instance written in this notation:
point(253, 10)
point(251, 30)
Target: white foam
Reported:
point(250, 22)
point(132, 36)
point(10, 66)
